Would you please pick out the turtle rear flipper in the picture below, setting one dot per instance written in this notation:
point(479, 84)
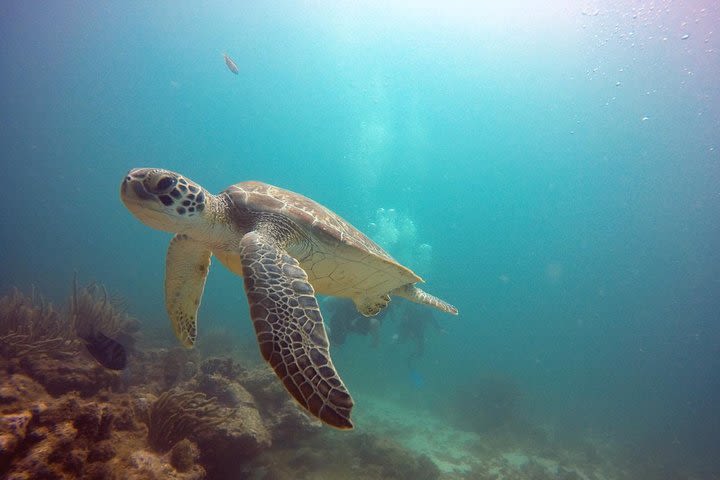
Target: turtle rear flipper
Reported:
point(290, 329)
point(417, 295)
point(371, 306)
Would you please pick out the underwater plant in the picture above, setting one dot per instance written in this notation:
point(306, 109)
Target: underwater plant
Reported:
point(29, 325)
point(91, 309)
point(179, 414)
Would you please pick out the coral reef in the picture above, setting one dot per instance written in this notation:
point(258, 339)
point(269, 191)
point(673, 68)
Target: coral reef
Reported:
point(213, 411)
point(170, 415)
point(244, 434)
point(286, 421)
point(178, 414)
point(145, 465)
point(38, 339)
point(30, 326)
point(66, 437)
point(164, 368)
point(60, 376)
point(184, 455)
point(62, 415)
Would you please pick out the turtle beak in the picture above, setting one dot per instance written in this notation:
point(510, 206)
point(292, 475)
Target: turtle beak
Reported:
point(132, 188)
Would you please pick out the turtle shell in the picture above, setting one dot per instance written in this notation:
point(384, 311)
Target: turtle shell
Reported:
point(339, 259)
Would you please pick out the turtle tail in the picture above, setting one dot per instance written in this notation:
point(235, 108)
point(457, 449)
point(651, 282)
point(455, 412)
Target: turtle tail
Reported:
point(417, 295)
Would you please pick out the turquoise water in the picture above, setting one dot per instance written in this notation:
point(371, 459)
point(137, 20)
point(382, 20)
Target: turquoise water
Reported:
point(554, 172)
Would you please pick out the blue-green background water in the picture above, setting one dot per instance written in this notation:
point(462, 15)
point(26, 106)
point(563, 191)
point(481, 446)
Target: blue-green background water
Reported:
point(562, 161)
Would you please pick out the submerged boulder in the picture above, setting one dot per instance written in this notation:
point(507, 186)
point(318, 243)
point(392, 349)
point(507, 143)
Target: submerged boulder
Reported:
point(60, 376)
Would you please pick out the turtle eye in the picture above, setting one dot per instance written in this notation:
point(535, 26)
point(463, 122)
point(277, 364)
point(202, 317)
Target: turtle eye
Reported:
point(165, 183)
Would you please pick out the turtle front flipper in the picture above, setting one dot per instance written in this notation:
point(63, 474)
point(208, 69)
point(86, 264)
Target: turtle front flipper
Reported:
point(186, 269)
point(290, 329)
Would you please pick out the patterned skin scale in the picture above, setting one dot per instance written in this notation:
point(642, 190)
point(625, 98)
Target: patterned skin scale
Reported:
point(286, 247)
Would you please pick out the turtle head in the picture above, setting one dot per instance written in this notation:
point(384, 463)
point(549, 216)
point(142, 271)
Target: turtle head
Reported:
point(163, 199)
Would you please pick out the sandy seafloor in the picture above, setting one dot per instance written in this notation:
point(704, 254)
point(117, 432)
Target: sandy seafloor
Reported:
point(461, 454)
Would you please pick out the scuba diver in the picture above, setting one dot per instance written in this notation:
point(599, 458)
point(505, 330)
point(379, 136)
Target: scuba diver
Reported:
point(412, 327)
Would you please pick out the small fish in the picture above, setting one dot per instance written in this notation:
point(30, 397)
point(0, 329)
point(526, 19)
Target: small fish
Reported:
point(108, 352)
point(230, 64)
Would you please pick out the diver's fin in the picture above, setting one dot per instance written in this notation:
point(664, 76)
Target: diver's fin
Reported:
point(290, 329)
point(186, 269)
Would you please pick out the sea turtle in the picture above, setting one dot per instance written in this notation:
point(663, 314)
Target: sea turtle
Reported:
point(287, 248)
